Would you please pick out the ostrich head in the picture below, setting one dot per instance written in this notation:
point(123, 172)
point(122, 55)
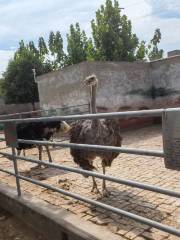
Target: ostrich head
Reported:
point(91, 80)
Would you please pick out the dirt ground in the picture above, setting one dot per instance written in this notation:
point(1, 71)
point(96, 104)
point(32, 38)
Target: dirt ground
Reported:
point(144, 169)
point(12, 229)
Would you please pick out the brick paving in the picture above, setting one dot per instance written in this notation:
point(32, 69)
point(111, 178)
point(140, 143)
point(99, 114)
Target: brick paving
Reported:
point(144, 169)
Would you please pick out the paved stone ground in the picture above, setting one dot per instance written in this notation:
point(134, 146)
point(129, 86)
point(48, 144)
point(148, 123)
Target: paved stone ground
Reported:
point(150, 170)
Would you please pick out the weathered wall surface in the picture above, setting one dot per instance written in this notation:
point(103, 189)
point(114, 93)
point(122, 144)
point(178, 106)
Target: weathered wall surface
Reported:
point(117, 84)
point(122, 85)
point(63, 88)
point(165, 75)
point(17, 108)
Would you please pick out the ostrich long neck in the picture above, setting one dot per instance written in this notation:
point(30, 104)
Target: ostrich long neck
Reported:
point(93, 98)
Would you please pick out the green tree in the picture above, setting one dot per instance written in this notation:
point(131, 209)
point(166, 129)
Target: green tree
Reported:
point(32, 48)
point(141, 51)
point(2, 92)
point(18, 80)
point(90, 51)
point(51, 43)
point(112, 34)
point(77, 45)
point(153, 51)
point(56, 49)
point(43, 50)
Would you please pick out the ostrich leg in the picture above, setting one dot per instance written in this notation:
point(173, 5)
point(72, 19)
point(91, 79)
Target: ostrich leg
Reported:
point(105, 192)
point(24, 153)
point(94, 187)
point(18, 152)
point(49, 154)
point(40, 155)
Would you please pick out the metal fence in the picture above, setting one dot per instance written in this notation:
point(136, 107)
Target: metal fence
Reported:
point(144, 113)
point(70, 110)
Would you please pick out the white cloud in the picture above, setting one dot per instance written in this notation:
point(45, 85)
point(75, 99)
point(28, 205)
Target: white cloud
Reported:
point(165, 8)
point(148, 15)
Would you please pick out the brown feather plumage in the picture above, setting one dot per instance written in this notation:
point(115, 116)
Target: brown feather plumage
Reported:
point(95, 132)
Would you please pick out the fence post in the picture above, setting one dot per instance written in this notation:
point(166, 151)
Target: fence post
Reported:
point(16, 171)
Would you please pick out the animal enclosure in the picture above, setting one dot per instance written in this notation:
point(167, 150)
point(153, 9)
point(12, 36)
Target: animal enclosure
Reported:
point(101, 176)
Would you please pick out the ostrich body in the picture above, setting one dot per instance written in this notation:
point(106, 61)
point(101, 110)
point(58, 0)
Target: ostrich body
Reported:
point(39, 131)
point(96, 132)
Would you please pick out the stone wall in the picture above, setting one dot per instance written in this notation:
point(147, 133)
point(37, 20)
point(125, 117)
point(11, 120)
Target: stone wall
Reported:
point(165, 75)
point(122, 85)
point(17, 108)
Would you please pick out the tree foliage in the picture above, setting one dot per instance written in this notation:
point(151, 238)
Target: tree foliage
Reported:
point(141, 51)
point(56, 49)
point(43, 50)
point(112, 34)
point(153, 51)
point(18, 80)
point(77, 44)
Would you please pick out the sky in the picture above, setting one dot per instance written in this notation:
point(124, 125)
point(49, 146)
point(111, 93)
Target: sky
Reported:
point(30, 19)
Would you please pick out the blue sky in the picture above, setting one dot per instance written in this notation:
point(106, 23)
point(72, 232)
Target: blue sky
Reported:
point(29, 19)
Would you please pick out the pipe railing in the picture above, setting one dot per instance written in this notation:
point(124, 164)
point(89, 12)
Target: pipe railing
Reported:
point(118, 211)
point(120, 115)
point(99, 175)
point(144, 113)
point(144, 152)
point(39, 111)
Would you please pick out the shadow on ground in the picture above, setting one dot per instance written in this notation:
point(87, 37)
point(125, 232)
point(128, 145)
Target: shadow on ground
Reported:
point(40, 173)
point(129, 202)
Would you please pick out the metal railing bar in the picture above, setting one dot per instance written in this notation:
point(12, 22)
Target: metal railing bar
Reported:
point(155, 153)
point(14, 159)
point(133, 216)
point(128, 114)
point(40, 110)
point(4, 148)
point(101, 176)
point(72, 106)
point(18, 114)
point(144, 152)
point(141, 219)
point(8, 172)
point(62, 140)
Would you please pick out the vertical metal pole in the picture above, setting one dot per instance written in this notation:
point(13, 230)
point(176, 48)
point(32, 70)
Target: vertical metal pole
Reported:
point(16, 171)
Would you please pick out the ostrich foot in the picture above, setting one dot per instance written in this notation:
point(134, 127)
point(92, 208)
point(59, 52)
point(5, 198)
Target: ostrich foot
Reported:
point(105, 193)
point(95, 187)
point(95, 190)
point(40, 166)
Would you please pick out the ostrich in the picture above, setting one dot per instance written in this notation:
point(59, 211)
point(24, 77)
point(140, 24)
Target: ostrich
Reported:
point(97, 132)
point(39, 131)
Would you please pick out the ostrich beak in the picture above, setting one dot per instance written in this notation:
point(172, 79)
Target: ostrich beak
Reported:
point(65, 127)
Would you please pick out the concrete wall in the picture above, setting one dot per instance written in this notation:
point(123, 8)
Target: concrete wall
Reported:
point(122, 85)
point(63, 88)
point(165, 75)
point(16, 108)
point(117, 82)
